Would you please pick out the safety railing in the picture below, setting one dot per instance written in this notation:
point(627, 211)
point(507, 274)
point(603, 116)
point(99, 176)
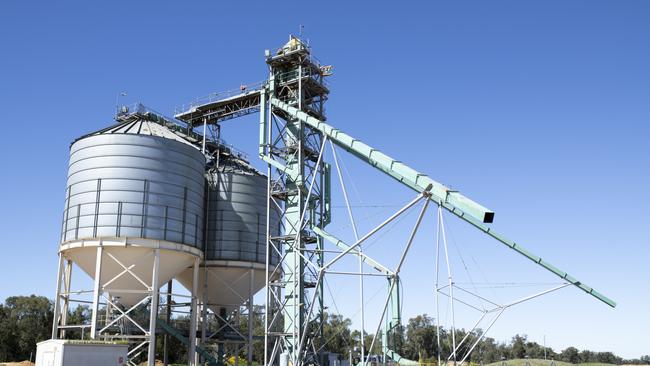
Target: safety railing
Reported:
point(217, 96)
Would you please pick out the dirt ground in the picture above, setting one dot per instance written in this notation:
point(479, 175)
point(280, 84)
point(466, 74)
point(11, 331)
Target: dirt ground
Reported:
point(24, 363)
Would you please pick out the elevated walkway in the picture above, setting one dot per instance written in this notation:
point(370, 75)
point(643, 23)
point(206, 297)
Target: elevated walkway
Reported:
point(221, 106)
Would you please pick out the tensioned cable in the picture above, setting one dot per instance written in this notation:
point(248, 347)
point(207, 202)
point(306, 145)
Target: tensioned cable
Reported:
point(354, 186)
point(462, 260)
point(488, 285)
point(377, 237)
point(343, 227)
point(367, 206)
point(485, 278)
point(353, 315)
point(388, 229)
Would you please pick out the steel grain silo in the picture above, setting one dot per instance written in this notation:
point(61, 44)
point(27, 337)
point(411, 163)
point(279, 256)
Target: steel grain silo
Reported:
point(235, 249)
point(132, 189)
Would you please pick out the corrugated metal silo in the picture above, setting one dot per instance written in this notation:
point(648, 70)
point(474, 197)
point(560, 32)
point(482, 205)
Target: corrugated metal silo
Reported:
point(132, 189)
point(235, 252)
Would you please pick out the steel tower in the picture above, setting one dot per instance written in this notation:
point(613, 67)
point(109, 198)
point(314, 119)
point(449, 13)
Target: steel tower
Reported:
point(292, 138)
point(297, 179)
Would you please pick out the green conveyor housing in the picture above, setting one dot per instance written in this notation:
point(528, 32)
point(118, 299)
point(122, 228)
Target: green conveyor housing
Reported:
point(454, 202)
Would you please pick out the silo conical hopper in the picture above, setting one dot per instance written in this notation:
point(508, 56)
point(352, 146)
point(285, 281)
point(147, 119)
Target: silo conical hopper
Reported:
point(235, 252)
point(132, 189)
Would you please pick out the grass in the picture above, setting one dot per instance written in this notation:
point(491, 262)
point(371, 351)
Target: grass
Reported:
point(539, 362)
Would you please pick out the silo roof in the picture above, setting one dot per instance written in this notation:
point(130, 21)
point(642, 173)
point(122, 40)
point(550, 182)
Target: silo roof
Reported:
point(141, 120)
point(149, 128)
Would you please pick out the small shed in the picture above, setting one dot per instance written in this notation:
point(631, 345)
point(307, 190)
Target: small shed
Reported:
point(60, 352)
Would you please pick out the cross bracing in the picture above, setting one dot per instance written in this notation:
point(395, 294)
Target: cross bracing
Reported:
point(293, 137)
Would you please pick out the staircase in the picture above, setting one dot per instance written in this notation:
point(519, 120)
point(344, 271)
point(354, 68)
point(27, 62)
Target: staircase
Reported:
point(210, 360)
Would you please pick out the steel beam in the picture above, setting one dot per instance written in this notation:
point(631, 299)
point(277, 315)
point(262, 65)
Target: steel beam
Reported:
point(193, 356)
point(57, 299)
point(153, 316)
point(394, 168)
point(96, 292)
point(454, 202)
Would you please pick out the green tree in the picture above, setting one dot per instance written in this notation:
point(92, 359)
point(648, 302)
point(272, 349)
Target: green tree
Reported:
point(608, 357)
point(7, 331)
point(77, 316)
point(488, 351)
point(518, 346)
point(396, 341)
point(587, 356)
point(376, 349)
point(421, 338)
point(258, 333)
point(570, 354)
point(645, 359)
point(337, 337)
point(25, 321)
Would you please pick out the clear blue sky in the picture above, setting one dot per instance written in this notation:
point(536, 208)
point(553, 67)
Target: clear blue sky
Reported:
point(537, 109)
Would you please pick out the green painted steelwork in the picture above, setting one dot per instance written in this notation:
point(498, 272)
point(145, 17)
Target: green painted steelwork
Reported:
point(392, 323)
point(521, 250)
point(394, 168)
point(341, 244)
point(291, 150)
point(327, 194)
point(453, 202)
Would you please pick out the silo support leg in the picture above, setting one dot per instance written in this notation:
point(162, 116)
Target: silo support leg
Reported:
point(96, 292)
point(67, 281)
point(251, 314)
point(193, 356)
point(153, 316)
point(57, 300)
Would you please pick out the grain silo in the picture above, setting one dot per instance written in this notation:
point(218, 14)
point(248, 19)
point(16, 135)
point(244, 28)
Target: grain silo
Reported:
point(235, 248)
point(132, 189)
point(148, 201)
point(133, 220)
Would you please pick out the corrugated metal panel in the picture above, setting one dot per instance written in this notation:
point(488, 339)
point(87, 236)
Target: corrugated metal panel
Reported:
point(237, 218)
point(135, 185)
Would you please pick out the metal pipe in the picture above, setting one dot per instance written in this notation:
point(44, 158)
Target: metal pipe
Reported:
point(469, 332)
point(437, 277)
point(265, 121)
point(96, 292)
point(356, 274)
point(399, 266)
point(309, 313)
point(454, 202)
point(339, 243)
point(356, 238)
point(251, 314)
point(192, 357)
point(57, 299)
point(153, 316)
point(394, 168)
point(66, 299)
point(125, 314)
point(205, 122)
point(451, 285)
point(475, 295)
point(377, 228)
point(168, 317)
point(519, 301)
point(482, 335)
